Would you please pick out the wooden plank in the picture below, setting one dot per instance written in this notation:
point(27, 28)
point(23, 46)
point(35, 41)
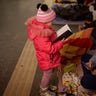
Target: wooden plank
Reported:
point(22, 78)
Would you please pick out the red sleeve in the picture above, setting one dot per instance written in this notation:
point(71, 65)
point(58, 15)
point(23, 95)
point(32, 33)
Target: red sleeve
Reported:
point(47, 46)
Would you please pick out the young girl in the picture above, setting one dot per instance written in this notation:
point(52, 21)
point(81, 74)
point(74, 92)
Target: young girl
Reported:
point(88, 81)
point(42, 35)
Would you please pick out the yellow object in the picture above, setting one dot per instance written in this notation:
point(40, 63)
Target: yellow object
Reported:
point(69, 51)
point(69, 67)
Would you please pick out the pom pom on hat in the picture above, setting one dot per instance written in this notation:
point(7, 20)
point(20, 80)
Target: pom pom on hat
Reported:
point(44, 14)
point(44, 7)
point(38, 5)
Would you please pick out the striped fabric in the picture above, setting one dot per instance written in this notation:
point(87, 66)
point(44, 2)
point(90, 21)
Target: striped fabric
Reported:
point(45, 16)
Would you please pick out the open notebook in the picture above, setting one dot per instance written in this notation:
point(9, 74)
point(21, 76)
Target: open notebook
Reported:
point(63, 32)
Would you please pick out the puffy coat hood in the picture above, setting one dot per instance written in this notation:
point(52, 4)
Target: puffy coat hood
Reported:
point(47, 52)
point(42, 30)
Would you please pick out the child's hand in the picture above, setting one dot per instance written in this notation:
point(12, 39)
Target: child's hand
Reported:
point(89, 65)
point(80, 27)
point(64, 40)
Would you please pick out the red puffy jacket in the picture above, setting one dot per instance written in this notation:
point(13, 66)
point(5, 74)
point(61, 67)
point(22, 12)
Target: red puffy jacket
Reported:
point(42, 35)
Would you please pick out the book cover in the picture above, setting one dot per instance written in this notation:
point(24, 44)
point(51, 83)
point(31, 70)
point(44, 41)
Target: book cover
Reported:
point(63, 32)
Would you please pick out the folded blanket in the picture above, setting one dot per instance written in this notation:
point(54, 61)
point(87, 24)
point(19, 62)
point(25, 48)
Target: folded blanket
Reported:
point(76, 45)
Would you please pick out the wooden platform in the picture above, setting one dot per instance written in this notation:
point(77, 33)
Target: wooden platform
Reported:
point(22, 78)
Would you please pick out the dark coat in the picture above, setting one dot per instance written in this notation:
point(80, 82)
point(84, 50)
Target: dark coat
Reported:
point(88, 80)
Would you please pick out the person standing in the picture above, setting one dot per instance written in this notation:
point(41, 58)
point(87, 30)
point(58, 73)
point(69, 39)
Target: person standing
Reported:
point(47, 52)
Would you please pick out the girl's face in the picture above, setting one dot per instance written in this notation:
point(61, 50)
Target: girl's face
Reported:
point(93, 72)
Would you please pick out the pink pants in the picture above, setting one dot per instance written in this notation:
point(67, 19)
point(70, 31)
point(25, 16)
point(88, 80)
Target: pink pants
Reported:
point(46, 78)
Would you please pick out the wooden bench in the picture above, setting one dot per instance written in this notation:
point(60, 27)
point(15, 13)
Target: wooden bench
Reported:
point(22, 78)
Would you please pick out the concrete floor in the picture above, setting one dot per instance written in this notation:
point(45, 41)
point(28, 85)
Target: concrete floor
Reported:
point(13, 36)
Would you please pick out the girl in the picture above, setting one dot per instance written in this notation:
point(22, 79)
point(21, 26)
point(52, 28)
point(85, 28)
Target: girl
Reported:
point(42, 35)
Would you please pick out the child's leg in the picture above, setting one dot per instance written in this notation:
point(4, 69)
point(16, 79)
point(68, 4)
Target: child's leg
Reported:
point(44, 91)
point(46, 78)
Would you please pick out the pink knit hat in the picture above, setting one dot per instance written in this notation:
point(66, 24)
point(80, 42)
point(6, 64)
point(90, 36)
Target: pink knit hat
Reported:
point(44, 14)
